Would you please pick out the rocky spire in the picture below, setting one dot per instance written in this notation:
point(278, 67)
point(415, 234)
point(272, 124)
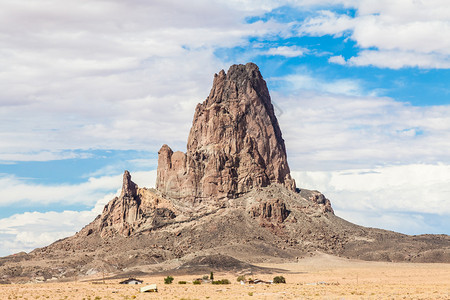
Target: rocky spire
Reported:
point(129, 188)
point(120, 213)
point(234, 145)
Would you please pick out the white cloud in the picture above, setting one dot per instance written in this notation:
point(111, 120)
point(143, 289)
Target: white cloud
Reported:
point(384, 32)
point(389, 188)
point(392, 197)
point(144, 179)
point(303, 80)
point(287, 51)
point(17, 190)
point(95, 75)
point(404, 33)
point(339, 59)
point(45, 155)
point(327, 22)
point(113, 74)
point(407, 223)
point(398, 59)
point(334, 132)
point(27, 231)
point(21, 191)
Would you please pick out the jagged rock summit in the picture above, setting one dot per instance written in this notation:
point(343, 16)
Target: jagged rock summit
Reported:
point(229, 199)
point(235, 143)
point(234, 146)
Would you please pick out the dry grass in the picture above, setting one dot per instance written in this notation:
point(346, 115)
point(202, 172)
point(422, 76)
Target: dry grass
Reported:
point(322, 277)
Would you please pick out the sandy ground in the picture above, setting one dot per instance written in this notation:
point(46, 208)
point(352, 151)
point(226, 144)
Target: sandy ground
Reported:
point(319, 277)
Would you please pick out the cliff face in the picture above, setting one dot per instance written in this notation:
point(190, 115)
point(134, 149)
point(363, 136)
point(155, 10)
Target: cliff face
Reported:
point(235, 143)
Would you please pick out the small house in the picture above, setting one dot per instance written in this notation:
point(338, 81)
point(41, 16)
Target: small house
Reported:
point(131, 281)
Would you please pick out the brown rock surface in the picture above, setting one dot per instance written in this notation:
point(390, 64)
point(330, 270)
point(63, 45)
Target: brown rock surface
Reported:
point(135, 209)
point(271, 210)
point(234, 145)
point(321, 200)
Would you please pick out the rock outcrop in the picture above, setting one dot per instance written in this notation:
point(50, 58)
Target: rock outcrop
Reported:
point(235, 143)
point(129, 188)
point(135, 209)
point(273, 210)
point(320, 199)
point(122, 211)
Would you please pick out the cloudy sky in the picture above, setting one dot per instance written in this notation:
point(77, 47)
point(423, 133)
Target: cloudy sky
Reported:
point(91, 88)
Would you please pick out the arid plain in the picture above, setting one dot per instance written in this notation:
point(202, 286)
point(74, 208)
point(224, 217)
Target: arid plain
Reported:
point(318, 277)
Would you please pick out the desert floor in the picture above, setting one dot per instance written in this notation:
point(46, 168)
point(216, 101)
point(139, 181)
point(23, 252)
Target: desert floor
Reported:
point(321, 276)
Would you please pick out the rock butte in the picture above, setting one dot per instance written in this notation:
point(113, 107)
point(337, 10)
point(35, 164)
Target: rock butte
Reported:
point(229, 201)
point(234, 145)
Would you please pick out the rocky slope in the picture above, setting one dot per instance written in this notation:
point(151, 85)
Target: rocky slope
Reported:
point(229, 198)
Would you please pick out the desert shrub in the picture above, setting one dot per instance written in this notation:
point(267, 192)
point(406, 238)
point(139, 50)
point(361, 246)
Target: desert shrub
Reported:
point(168, 280)
point(279, 279)
point(211, 276)
point(182, 282)
point(240, 278)
point(222, 281)
point(250, 293)
point(196, 282)
point(205, 277)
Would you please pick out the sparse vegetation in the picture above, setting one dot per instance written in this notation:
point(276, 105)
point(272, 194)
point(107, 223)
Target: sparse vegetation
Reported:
point(182, 282)
point(240, 278)
point(222, 281)
point(316, 284)
point(279, 279)
point(168, 280)
point(196, 282)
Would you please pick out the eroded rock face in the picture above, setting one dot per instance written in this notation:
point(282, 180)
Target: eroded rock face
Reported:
point(322, 201)
point(234, 145)
point(273, 210)
point(122, 211)
point(129, 188)
point(135, 209)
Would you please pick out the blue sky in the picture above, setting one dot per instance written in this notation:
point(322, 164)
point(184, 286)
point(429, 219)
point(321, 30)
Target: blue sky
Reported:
point(88, 90)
